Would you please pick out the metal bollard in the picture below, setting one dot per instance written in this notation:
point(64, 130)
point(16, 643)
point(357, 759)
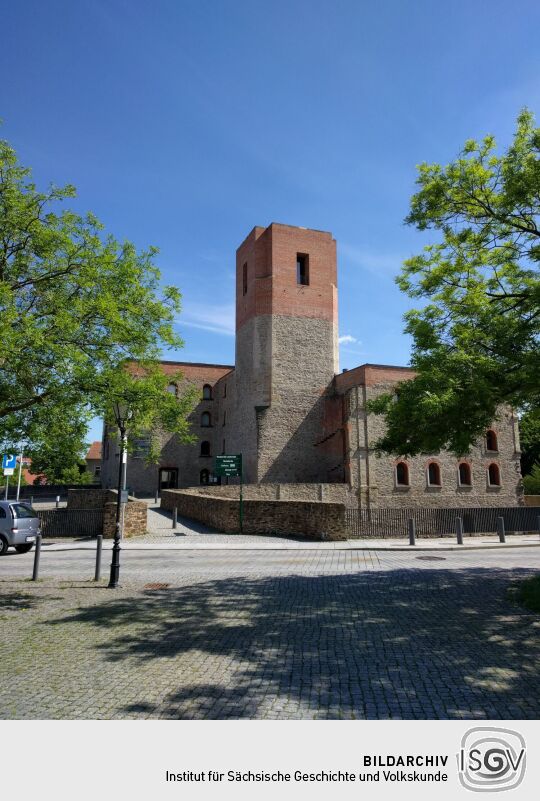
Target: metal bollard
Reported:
point(31, 500)
point(99, 546)
point(459, 530)
point(156, 499)
point(37, 554)
point(538, 523)
point(57, 501)
point(500, 529)
point(174, 517)
point(412, 532)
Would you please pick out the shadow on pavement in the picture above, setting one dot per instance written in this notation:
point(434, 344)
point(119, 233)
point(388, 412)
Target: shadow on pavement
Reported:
point(406, 643)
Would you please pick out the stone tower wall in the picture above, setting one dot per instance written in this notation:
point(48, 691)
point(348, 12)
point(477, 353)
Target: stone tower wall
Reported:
point(286, 353)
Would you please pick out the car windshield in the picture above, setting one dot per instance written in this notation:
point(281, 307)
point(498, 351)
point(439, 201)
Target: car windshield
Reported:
point(21, 510)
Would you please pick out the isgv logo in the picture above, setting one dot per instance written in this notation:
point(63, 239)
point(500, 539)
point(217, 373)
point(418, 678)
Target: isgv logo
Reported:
point(491, 759)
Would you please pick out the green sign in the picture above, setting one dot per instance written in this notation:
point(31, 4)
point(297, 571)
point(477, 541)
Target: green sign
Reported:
point(229, 465)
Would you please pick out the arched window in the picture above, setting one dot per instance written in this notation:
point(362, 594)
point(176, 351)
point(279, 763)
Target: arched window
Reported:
point(402, 474)
point(204, 476)
point(494, 475)
point(434, 475)
point(206, 420)
point(491, 441)
point(207, 392)
point(464, 474)
point(205, 448)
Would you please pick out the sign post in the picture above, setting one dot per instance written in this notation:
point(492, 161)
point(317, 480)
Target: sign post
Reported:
point(231, 465)
point(20, 473)
point(9, 462)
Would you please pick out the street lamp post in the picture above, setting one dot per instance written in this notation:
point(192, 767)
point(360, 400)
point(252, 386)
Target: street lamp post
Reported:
point(122, 414)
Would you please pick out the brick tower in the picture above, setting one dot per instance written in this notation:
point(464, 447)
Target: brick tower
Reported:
point(286, 352)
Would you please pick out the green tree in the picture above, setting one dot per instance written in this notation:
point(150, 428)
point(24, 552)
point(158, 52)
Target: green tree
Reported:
point(475, 341)
point(529, 435)
point(76, 308)
point(531, 483)
point(58, 446)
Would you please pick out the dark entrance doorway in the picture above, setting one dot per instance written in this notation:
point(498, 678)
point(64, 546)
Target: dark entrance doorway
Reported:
point(168, 478)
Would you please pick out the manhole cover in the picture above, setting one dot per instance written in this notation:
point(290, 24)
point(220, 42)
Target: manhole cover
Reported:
point(432, 558)
point(155, 586)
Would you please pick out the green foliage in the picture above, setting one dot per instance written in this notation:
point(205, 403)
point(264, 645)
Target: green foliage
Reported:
point(475, 342)
point(58, 444)
point(76, 307)
point(531, 483)
point(529, 435)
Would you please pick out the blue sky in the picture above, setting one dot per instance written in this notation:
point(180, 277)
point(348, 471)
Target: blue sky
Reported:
point(185, 123)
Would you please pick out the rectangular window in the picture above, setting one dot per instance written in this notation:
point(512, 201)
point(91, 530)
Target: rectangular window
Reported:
point(223, 451)
point(224, 390)
point(224, 417)
point(302, 269)
point(244, 279)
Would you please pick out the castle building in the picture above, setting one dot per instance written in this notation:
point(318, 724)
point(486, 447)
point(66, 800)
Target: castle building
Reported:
point(293, 416)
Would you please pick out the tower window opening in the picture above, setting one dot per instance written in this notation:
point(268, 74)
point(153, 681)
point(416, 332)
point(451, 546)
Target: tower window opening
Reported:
point(491, 441)
point(302, 269)
point(205, 448)
point(207, 392)
point(244, 279)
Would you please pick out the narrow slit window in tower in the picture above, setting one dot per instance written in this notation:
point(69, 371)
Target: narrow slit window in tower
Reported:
point(302, 269)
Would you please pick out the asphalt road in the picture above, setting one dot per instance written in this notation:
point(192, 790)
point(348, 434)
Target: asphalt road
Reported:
point(172, 566)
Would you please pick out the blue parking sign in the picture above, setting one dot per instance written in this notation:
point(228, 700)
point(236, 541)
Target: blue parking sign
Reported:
point(9, 460)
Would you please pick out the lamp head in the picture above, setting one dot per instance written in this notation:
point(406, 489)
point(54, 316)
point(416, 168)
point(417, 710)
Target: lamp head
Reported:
point(122, 413)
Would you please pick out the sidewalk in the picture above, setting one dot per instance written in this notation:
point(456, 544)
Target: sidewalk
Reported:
point(239, 542)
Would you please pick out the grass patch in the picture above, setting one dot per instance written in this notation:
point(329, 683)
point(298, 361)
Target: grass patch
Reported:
point(527, 593)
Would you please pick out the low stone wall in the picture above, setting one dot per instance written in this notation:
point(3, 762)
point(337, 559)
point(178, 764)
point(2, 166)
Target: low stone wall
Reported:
point(317, 493)
point(135, 511)
point(89, 498)
point(135, 519)
point(315, 520)
point(532, 500)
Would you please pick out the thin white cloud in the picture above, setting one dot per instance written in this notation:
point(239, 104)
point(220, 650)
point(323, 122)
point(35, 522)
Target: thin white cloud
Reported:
point(383, 265)
point(347, 339)
point(217, 319)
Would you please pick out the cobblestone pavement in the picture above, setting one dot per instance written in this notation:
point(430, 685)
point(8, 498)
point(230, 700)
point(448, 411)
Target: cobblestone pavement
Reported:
point(239, 634)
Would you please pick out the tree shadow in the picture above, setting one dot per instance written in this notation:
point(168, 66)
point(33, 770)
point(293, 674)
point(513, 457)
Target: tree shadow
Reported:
point(392, 644)
point(16, 601)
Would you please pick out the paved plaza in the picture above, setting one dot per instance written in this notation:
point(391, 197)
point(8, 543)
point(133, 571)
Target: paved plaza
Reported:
point(270, 634)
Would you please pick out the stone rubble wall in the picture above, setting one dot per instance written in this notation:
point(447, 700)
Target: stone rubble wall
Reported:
point(316, 493)
point(314, 520)
point(135, 511)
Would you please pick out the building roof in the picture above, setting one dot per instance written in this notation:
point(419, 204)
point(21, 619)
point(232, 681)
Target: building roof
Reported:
point(371, 374)
point(94, 451)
